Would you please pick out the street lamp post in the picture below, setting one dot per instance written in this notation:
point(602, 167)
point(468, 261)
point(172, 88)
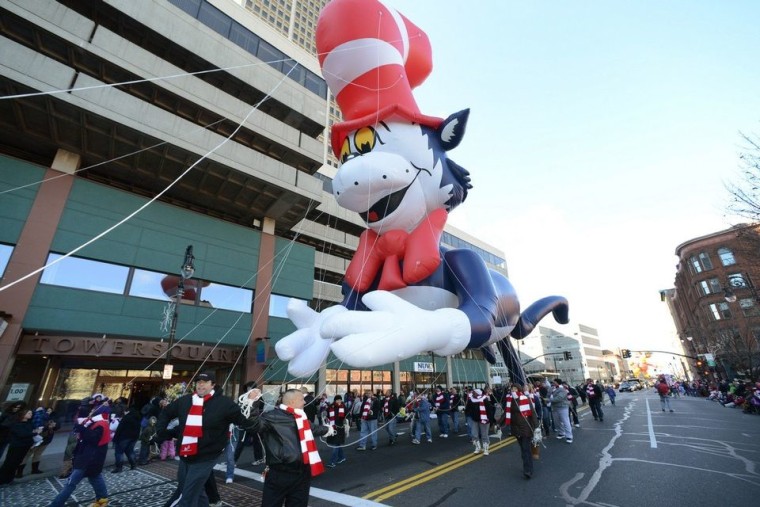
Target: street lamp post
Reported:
point(186, 272)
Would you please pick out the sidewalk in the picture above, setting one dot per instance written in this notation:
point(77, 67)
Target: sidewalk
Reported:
point(147, 486)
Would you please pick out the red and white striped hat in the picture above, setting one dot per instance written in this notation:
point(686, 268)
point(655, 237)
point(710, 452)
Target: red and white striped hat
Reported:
point(372, 57)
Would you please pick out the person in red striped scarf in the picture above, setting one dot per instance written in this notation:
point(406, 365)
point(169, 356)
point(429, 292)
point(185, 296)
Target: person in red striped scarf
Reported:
point(204, 419)
point(336, 415)
point(370, 410)
point(391, 407)
point(292, 456)
point(442, 410)
point(479, 412)
point(521, 416)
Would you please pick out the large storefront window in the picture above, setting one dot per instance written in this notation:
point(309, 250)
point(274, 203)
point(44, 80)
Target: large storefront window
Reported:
point(79, 273)
point(345, 381)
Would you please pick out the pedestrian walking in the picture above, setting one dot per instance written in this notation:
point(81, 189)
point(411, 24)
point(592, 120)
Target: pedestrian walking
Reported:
point(421, 407)
point(336, 415)
point(560, 406)
point(89, 456)
point(125, 438)
point(391, 407)
point(610, 393)
point(594, 395)
point(291, 451)
point(522, 419)
point(203, 421)
point(369, 412)
point(442, 409)
point(479, 414)
point(664, 391)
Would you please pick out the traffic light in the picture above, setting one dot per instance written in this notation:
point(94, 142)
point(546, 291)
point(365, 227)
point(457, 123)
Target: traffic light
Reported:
point(568, 355)
point(626, 353)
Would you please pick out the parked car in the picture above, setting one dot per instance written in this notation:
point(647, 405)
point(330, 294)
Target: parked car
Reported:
point(635, 384)
point(625, 386)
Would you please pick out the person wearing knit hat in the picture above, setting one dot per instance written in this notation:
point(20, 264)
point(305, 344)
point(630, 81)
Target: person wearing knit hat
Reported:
point(561, 409)
point(89, 456)
point(479, 411)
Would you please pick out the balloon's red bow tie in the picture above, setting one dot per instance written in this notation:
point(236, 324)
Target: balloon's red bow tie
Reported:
point(419, 251)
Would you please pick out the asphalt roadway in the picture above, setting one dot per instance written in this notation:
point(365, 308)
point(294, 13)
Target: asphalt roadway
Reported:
point(701, 454)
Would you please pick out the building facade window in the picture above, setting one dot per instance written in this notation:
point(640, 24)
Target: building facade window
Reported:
point(79, 273)
point(278, 306)
point(700, 263)
point(726, 257)
point(709, 286)
point(720, 311)
point(5, 257)
point(226, 297)
point(749, 307)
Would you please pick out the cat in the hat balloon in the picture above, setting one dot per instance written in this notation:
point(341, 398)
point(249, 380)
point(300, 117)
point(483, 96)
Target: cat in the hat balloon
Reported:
point(404, 294)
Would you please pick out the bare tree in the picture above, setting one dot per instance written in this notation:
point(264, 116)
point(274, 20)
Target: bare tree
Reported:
point(745, 193)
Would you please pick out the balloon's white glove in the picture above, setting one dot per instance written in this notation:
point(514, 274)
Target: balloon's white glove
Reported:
point(305, 348)
point(393, 330)
point(330, 430)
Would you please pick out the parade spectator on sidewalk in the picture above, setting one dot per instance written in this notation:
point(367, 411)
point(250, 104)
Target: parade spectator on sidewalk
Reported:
point(147, 437)
point(89, 456)
point(204, 418)
point(7, 418)
point(20, 440)
point(35, 453)
point(125, 439)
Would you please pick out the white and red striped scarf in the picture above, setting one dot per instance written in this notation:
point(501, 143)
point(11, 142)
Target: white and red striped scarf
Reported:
point(481, 401)
point(438, 400)
point(193, 426)
point(386, 407)
point(331, 415)
point(366, 408)
point(308, 445)
point(590, 391)
point(522, 401)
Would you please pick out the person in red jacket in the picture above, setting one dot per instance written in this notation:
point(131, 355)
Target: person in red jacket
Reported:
point(89, 456)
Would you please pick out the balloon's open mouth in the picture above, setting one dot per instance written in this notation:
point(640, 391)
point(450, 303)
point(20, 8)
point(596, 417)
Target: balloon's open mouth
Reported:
point(384, 206)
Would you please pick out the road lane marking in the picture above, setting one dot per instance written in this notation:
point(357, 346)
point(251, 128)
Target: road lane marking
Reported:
point(428, 475)
point(652, 439)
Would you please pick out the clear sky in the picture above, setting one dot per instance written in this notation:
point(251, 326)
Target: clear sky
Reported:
point(600, 137)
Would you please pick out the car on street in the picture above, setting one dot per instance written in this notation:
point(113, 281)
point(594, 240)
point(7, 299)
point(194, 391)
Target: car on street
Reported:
point(625, 387)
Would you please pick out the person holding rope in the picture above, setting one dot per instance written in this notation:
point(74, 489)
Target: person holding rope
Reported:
point(291, 450)
point(204, 419)
point(522, 420)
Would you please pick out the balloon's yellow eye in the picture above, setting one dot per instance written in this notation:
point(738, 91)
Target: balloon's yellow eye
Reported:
point(345, 150)
point(364, 140)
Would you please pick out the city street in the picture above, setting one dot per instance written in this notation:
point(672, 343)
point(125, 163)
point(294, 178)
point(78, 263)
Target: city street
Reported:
point(701, 454)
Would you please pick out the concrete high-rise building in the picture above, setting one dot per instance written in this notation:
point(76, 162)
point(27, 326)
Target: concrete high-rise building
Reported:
point(131, 130)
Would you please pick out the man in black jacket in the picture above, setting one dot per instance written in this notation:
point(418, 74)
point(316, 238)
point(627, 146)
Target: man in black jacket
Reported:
point(204, 419)
point(287, 478)
point(125, 438)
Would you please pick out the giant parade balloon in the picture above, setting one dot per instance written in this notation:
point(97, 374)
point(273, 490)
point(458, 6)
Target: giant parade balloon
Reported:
point(404, 293)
